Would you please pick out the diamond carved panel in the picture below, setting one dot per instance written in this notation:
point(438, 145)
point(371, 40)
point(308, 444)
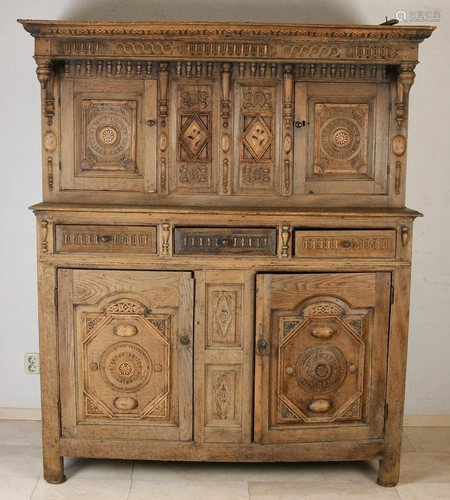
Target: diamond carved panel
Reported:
point(341, 138)
point(224, 310)
point(194, 137)
point(257, 138)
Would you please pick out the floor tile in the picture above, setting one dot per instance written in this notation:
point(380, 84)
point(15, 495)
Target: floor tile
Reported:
point(425, 468)
point(429, 439)
point(83, 489)
point(25, 432)
point(20, 460)
point(16, 488)
point(424, 491)
point(328, 491)
point(351, 472)
point(89, 467)
point(273, 472)
point(407, 446)
point(188, 490)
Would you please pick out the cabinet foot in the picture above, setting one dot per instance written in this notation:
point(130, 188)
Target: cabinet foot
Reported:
point(54, 470)
point(388, 472)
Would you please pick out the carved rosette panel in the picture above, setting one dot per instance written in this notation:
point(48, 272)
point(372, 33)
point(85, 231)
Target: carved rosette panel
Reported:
point(108, 135)
point(194, 137)
point(341, 138)
point(321, 362)
point(126, 361)
point(224, 310)
point(257, 141)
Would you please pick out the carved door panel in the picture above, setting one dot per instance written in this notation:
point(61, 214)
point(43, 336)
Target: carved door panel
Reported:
point(257, 137)
point(321, 356)
point(335, 147)
point(194, 118)
point(109, 137)
point(126, 352)
point(224, 356)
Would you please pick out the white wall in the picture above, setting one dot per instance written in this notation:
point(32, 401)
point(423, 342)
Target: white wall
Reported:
point(428, 178)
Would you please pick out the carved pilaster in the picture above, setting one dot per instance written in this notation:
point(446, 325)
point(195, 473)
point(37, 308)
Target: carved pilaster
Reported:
point(163, 92)
point(50, 172)
point(226, 78)
point(165, 233)
point(285, 237)
point(405, 80)
point(43, 70)
point(398, 176)
point(44, 234)
point(405, 236)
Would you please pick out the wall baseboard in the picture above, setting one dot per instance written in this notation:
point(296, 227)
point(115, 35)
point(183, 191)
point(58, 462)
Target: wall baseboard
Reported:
point(426, 421)
point(408, 420)
point(20, 414)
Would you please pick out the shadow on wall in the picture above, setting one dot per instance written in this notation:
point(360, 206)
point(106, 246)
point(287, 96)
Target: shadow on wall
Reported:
point(276, 11)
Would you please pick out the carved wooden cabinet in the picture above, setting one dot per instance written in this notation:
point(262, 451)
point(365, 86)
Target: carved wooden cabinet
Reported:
point(223, 248)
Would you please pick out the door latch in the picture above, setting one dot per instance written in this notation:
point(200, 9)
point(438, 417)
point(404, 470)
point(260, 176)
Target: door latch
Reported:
point(262, 347)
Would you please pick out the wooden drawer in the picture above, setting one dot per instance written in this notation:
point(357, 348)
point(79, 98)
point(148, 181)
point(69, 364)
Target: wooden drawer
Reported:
point(105, 239)
point(249, 241)
point(343, 244)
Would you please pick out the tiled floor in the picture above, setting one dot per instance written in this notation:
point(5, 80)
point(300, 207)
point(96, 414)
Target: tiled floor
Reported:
point(425, 475)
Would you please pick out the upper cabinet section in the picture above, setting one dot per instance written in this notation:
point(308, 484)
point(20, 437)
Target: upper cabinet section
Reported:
point(225, 114)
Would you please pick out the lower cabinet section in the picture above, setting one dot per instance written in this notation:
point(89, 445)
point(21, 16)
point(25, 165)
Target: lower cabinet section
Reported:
point(321, 356)
point(125, 341)
point(249, 357)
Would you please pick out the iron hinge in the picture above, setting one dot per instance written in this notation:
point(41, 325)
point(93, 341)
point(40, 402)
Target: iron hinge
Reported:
point(55, 297)
point(59, 165)
point(392, 294)
point(386, 411)
point(388, 168)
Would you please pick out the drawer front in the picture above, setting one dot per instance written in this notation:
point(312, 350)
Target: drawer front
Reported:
point(105, 239)
point(342, 244)
point(242, 241)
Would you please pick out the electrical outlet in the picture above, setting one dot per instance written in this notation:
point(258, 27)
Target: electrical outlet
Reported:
point(32, 362)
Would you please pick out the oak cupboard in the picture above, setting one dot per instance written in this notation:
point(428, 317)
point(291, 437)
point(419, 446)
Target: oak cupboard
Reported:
point(223, 248)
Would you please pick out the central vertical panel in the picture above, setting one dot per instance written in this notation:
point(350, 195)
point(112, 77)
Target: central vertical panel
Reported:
point(257, 138)
point(193, 165)
point(224, 357)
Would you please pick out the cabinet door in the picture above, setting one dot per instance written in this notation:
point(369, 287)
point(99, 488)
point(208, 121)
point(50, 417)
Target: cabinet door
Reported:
point(321, 348)
point(336, 149)
point(107, 143)
point(125, 342)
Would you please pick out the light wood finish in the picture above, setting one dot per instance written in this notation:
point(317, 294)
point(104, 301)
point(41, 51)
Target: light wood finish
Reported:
point(224, 252)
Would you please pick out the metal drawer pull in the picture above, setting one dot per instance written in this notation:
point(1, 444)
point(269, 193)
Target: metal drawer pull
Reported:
point(346, 244)
point(320, 405)
point(352, 368)
point(150, 123)
point(106, 238)
point(322, 332)
point(289, 370)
